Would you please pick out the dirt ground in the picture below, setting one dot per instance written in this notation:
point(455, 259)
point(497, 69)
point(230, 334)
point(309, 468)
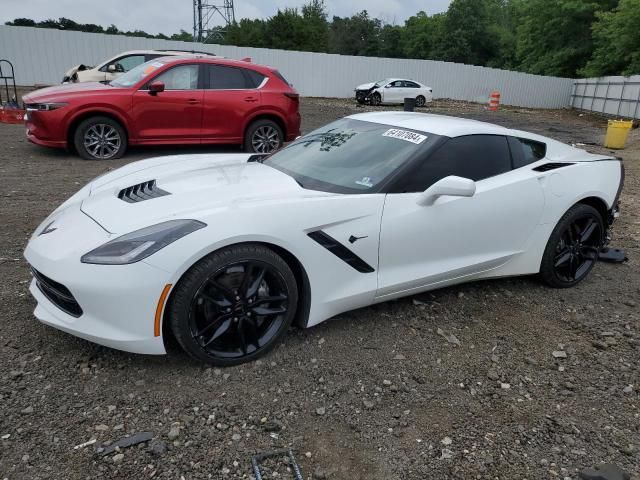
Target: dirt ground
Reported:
point(376, 394)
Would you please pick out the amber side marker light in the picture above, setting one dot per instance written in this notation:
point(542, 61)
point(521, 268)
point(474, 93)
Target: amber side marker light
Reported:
point(160, 308)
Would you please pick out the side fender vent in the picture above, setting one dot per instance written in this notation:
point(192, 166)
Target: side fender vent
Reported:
point(141, 192)
point(340, 251)
point(551, 166)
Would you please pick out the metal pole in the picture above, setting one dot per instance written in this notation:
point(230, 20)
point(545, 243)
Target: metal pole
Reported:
point(200, 21)
point(635, 113)
point(606, 97)
point(621, 98)
point(584, 94)
point(595, 94)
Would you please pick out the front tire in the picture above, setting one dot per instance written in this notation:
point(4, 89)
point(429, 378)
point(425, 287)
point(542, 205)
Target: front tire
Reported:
point(263, 136)
point(376, 99)
point(573, 247)
point(233, 305)
point(100, 138)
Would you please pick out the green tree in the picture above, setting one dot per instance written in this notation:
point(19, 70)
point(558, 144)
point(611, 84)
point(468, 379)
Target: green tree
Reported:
point(285, 30)
point(356, 35)
point(424, 36)
point(554, 37)
point(616, 36)
point(390, 41)
point(315, 27)
point(22, 22)
point(246, 33)
point(469, 37)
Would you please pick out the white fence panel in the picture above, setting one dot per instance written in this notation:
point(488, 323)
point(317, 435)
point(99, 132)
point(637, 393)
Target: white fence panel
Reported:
point(41, 56)
point(613, 96)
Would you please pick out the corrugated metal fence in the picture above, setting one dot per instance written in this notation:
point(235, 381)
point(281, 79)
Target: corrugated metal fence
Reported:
point(41, 56)
point(614, 96)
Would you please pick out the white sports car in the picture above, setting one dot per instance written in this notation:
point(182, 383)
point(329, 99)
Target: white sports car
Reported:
point(226, 251)
point(393, 90)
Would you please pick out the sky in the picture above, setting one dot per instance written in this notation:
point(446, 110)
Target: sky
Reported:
point(169, 16)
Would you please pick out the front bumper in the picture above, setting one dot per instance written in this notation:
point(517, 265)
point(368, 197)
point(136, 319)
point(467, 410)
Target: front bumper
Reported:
point(117, 302)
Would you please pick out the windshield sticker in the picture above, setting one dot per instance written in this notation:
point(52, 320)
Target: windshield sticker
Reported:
point(365, 182)
point(151, 68)
point(405, 135)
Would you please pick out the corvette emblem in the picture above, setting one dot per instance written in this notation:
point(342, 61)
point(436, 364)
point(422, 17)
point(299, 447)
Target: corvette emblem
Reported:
point(48, 229)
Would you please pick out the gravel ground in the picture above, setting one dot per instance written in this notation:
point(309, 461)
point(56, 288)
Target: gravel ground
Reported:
point(501, 379)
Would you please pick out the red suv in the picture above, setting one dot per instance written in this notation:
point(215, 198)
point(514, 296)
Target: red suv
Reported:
point(168, 100)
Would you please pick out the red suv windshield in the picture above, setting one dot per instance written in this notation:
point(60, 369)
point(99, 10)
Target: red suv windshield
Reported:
point(136, 74)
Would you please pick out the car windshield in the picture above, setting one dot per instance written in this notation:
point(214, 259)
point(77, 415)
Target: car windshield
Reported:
point(136, 74)
point(349, 156)
point(384, 81)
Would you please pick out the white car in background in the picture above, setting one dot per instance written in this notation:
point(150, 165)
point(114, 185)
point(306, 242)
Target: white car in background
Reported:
point(224, 252)
point(114, 67)
point(393, 90)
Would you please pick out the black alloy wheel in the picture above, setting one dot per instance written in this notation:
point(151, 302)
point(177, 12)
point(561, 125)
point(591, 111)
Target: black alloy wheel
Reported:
point(376, 99)
point(420, 101)
point(573, 247)
point(233, 305)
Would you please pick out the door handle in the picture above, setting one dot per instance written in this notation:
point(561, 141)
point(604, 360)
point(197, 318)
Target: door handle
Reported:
point(192, 101)
point(250, 99)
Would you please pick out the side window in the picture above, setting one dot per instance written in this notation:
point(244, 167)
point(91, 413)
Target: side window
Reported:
point(474, 156)
point(130, 62)
point(255, 78)
point(396, 84)
point(151, 56)
point(409, 84)
point(182, 77)
point(526, 151)
point(222, 77)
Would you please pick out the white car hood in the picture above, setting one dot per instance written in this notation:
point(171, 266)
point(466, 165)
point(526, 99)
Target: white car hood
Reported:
point(198, 186)
point(365, 86)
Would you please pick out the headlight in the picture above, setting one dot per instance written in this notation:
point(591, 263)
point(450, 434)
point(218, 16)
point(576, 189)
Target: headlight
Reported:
point(135, 246)
point(45, 107)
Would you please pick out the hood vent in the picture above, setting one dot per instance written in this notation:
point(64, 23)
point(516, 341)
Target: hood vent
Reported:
point(141, 192)
point(545, 167)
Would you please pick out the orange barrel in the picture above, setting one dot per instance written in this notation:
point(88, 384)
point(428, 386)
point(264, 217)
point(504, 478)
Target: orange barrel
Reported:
point(494, 101)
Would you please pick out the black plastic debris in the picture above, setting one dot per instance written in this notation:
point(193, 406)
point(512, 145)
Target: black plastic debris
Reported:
point(125, 442)
point(257, 459)
point(605, 471)
point(612, 255)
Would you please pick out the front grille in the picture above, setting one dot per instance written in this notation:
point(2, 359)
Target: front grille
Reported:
point(141, 192)
point(545, 167)
point(57, 293)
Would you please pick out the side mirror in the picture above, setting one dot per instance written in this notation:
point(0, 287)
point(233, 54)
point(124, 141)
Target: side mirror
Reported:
point(451, 185)
point(156, 87)
point(387, 86)
point(111, 68)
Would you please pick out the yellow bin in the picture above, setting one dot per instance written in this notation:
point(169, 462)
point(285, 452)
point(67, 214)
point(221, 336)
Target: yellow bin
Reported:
point(617, 133)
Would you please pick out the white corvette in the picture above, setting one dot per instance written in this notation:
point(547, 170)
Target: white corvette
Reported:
point(393, 91)
point(224, 252)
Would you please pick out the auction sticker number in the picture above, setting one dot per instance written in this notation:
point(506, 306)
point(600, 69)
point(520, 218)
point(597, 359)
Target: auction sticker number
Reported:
point(405, 135)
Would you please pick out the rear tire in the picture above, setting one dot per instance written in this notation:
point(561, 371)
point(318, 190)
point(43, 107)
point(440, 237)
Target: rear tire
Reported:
point(100, 138)
point(573, 247)
point(420, 101)
point(263, 136)
point(234, 305)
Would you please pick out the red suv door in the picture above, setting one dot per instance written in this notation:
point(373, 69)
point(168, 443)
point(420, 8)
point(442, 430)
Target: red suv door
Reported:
point(172, 116)
point(230, 96)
